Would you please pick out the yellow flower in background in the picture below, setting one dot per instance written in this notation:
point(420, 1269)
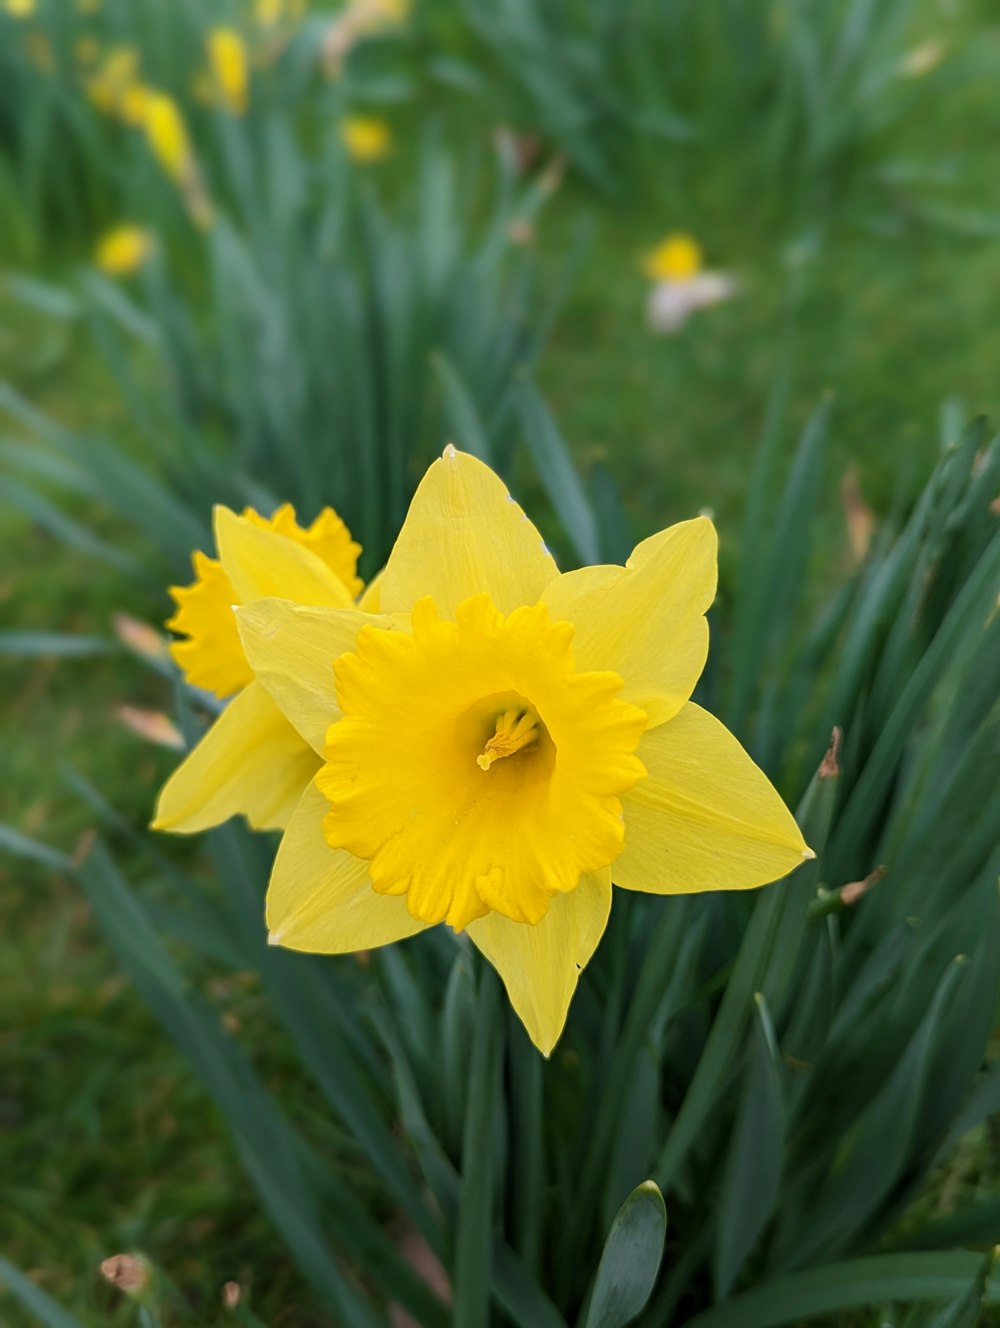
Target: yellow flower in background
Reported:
point(252, 761)
point(499, 742)
point(167, 135)
point(86, 50)
point(269, 13)
point(134, 103)
point(168, 139)
point(366, 137)
point(87, 6)
point(20, 8)
point(123, 250)
point(676, 258)
point(117, 73)
point(227, 57)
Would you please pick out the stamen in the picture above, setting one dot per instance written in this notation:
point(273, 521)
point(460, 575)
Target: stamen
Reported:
point(515, 730)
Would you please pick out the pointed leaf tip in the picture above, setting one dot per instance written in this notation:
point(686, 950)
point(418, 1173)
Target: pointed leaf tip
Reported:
point(631, 1260)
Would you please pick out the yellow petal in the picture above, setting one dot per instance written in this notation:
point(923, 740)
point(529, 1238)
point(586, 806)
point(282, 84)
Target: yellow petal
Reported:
point(320, 898)
point(261, 563)
point(250, 762)
point(645, 621)
point(541, 964)
point(464, 534)
point(291, 649)
point(705, 818)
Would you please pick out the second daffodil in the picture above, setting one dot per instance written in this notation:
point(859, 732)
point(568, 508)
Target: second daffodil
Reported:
point(499, 741)
point(252, 761)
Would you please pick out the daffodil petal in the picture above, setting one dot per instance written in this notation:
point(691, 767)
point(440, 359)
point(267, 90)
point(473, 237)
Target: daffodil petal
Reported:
point(645, 621)
point(250, 762)
point(320, 898)
point(705, 817)
point(292, 648)
point(541, 964)
point(463, 535)
point(261, 563)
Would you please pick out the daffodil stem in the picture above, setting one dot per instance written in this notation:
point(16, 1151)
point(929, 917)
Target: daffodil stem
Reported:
point(473, 1245)
point(528, 1171)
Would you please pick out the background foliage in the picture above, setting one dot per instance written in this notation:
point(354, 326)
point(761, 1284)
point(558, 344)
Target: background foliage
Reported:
point(814, 1088)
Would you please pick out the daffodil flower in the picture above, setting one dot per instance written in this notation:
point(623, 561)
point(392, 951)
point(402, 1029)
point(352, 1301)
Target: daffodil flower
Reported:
point(252, 761)
point(366, 137)
point(680, 283)
point(230, 80)
point(123, 250)
point(499, 741)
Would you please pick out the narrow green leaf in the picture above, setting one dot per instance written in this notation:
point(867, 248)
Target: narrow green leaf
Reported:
point(463, 421)
point(966, 1310)
point(474, 1234)
point(631, 1260)
point(13, 841)
point(753, 1169)
point(856, 1284)
point(53, 643)
point(558, 474)
point(47, 1313)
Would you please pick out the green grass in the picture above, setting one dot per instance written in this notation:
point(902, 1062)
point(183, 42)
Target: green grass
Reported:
point(105, 1144)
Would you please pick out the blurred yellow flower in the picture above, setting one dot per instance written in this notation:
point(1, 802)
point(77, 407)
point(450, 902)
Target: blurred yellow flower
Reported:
point(227, 57)
point(500, 742)
point(123, 250)
point(252, 761)
point(167, 134)
point(133, 104)
point(87, 6)
point(117, 73)
point(676, 258)
point(20, 8)
point(168, 139)
point(366, 137)
point(86, 50)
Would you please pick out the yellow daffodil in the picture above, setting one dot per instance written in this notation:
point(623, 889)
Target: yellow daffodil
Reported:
point(168, 139)
point(498, 742)
point(252, 761)
point(676, 258)
point(227, 58)
point(118, 72)
point(123, 250)
point(366, 137)
point(20, 8)
point(86, 49)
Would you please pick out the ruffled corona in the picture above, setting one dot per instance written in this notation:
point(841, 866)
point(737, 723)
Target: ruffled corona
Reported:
point(474, 768)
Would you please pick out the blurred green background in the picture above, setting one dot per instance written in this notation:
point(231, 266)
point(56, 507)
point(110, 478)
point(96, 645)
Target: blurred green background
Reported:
point(837, 161)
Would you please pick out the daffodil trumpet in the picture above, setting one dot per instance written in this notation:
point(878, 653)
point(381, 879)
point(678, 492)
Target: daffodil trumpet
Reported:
point(492, 743)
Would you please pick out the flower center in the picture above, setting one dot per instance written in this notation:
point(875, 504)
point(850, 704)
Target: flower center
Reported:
point(473, 767)
point(516, 731)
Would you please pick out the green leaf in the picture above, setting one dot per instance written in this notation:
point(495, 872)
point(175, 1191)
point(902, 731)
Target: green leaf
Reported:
point(474, 1234)
point(965, 1311)
point(753, 1169)
point(34, 1299)
point(631, 1259)
point(52, 643)
point(856, 1284)
point(558, 474)
point(463, 421)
